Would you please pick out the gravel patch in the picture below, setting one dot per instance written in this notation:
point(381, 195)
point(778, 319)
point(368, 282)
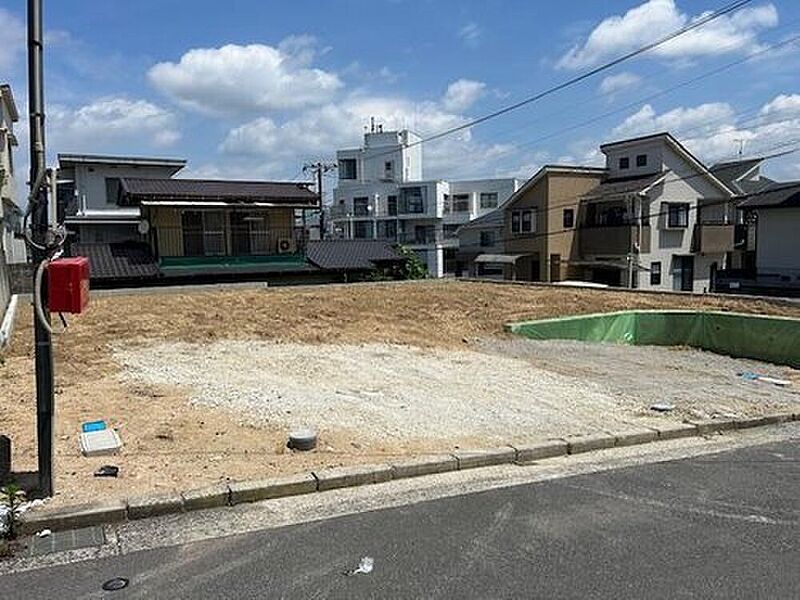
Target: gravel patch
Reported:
point(509, 389)
point(381, 390)
point(700, 384)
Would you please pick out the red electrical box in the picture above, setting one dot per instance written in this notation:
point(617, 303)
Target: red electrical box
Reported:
point(68, 285)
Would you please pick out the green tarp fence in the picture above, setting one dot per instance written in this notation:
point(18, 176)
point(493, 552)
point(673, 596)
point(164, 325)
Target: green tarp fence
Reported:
point(771, 339)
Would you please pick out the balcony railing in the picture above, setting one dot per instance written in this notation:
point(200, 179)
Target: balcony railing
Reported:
point(614, 240)
point(425, 237)
point(713, 238)
point(180, 241)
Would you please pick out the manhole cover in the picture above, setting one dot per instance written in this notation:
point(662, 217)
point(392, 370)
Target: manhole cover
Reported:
point(118, 583)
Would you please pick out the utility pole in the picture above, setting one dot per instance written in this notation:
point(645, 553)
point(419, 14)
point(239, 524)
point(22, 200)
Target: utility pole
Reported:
point(40, 226)
point(319, 168)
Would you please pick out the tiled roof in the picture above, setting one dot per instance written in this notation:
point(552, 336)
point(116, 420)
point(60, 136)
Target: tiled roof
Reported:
point(623, 185)
point(128, 260)
point(350, 254)
point(213, 190)
point(729, 172)
point(496, 218)
point(782, 194)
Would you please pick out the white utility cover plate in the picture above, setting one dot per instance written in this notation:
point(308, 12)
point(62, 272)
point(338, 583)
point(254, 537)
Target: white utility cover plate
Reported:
point(100, 443)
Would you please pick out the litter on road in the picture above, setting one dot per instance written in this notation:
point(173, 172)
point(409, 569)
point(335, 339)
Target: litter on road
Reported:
point(364, 567)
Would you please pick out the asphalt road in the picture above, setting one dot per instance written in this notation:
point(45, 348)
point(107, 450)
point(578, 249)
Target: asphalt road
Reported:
point(717, 526)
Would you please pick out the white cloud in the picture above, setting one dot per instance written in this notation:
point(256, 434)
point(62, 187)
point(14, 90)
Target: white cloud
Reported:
point(713, 132)
point(645, 120)
point(110, 122)
point(462, 94)
point(785, 105)
point(615, 35)
point(237, 80)
point(616, 83)
point(471, 34)
point(14, 36)
point(320, 131)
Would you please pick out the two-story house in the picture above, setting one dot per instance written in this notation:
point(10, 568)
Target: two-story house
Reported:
point(89, 194)
point(659, 219)
point(381, 194)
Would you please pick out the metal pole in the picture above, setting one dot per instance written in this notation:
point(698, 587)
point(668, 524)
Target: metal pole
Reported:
point(39, 227)
point(321, 210)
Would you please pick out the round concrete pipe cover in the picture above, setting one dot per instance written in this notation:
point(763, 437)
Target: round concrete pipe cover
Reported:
point(303, 439)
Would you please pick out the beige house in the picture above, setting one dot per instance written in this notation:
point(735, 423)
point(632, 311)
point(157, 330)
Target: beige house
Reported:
point(539, 223)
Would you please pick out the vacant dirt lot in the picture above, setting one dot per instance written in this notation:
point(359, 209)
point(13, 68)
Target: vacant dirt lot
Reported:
point(149, 364)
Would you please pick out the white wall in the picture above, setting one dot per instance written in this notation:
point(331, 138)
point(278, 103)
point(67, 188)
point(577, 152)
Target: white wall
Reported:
point(90, 182)
point(778, 242)
point(683, 183)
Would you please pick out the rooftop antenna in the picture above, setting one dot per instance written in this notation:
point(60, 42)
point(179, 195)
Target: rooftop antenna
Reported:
point(741, 142)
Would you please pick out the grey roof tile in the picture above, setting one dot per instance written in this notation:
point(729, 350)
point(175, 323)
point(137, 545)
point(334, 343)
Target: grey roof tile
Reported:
point(350, 254)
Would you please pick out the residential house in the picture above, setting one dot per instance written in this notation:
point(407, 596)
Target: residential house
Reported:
point(484, 237)
point(194, 231)
point(381, 194)
point(88, 193)
point(12, 248)
point(772, 215)
point(659, 219)
point(533, 236)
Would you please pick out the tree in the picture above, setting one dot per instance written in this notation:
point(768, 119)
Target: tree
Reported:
point(413, 267)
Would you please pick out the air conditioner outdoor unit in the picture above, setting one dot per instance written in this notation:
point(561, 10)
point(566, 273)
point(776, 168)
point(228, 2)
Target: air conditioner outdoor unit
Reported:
point(286, 246)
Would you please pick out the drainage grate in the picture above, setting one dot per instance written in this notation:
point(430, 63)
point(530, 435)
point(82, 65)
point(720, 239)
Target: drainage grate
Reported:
point(61, 541)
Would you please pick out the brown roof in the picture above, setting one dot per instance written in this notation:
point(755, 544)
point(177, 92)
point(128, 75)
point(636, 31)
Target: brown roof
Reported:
point(217, 190)
point(623, 185)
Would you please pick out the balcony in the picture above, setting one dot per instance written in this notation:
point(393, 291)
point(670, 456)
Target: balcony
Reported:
point(612, 240)
point(713, 238)
point(427, 236)
point(230, 242)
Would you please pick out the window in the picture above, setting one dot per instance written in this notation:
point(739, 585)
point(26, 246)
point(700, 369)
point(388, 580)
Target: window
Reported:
point(487, 238)
point(678, 215)
point(347, 168)
point(387, 230)
point(655, 273)
point(391, 206)
point(641, 160)
point(456, 203)
point(412, 200)
point(388, 170)
point(523, 221)
point(112, 190)
point(569, 218)
point(362, 229)
point(624, 162)
point(488, 199)
point(360, 207)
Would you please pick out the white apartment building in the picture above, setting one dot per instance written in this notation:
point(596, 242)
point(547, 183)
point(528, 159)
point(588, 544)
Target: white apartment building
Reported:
point(659, 220)
point(381, 194)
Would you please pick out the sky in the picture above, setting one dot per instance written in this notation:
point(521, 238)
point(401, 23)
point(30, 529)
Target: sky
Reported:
point(252, 90)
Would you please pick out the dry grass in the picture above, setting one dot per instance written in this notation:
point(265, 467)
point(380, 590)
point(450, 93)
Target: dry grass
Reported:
point(191, 446)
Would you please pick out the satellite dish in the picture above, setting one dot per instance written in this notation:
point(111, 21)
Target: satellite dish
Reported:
point(144, 226)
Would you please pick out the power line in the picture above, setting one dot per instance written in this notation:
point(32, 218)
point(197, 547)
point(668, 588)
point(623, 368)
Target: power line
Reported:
point(664, 92)
point(726, 9)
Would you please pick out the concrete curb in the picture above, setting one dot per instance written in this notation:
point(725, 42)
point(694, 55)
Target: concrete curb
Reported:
point(214, 496)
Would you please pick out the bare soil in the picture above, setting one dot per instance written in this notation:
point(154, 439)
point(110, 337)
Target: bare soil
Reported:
point(172, 443)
